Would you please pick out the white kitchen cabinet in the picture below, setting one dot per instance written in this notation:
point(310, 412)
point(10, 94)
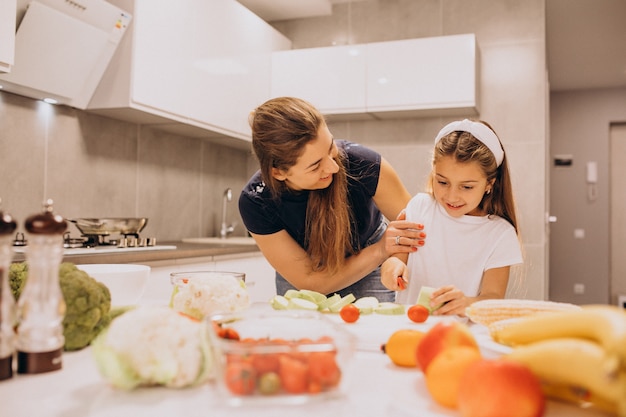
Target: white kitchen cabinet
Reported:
point(198, 64)
point(8, 10)
point(430, 75)
point(332, 79)
point(405, 78)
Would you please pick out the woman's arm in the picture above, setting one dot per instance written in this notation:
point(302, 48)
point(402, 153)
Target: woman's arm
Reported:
point(494, 284)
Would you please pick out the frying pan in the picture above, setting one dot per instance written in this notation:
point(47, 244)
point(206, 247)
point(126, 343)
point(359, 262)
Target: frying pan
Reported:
point(116, 225)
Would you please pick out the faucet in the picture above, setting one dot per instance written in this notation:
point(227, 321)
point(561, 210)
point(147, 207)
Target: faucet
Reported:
point(226, 229)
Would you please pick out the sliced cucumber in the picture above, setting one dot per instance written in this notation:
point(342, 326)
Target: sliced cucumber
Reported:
point(317, 297)
point(301, 304)
point(424, 298)
point(344, 301)
point(367, 305)
point(389, 308)
point(279, 302)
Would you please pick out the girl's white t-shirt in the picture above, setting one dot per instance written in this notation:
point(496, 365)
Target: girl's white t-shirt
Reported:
point(457, 250)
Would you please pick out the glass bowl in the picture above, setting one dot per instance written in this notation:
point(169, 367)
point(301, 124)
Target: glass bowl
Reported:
point(279, 357)
point(202, 293)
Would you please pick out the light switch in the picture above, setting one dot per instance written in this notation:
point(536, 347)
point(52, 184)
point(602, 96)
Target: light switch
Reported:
point(579, 233)
point(579, 288)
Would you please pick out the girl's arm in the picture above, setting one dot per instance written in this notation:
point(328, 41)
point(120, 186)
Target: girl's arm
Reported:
point(494, 284)
point(292, 262)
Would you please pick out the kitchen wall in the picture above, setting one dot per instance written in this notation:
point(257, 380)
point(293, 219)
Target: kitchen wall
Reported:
point(95, 167)
point(580, 126)
point(513, 89)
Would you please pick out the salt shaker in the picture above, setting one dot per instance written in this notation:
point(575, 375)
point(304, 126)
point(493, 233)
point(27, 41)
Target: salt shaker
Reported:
point(41, 307)
point(7, 302)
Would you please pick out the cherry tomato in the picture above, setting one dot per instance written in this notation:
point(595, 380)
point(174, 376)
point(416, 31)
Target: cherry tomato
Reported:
point(418, 313)
point(240, 378)
point(293, 375)
point(349, 313)
point(323, 370)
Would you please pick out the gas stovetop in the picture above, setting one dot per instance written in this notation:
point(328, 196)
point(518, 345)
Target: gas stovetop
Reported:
point(95, 245)
point(104, 249)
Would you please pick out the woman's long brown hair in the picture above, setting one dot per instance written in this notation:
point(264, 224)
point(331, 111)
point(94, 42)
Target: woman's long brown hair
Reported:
point(281, 127)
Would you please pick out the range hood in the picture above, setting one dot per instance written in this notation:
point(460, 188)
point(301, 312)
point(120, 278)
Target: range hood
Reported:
point(63, 47)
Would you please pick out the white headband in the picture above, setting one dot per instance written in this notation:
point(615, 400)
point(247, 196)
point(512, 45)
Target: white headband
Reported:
point(479, 131)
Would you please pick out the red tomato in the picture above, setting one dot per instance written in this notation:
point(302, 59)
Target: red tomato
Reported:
point(265, 362)
point(293, 375)
point(240, 378)
point(349, 313)
point(418, 313)
point(323, 369)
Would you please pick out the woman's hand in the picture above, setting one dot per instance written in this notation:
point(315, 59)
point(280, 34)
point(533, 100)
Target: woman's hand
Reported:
point(454, 301)
point(393, 272)
point(403, 236)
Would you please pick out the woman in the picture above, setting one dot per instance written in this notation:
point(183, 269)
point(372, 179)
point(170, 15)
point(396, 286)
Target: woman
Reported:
point(470, 214)
point(315, 208)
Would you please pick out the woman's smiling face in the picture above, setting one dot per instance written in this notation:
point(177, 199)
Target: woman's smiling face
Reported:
point(315, 167)
point(459, 187)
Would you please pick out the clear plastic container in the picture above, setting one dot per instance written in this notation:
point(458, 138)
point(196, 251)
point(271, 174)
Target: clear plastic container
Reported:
point(279, 357)
point(202, 293)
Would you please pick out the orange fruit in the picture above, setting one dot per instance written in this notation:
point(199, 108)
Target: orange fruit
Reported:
point(402, 345)
point(443, 375)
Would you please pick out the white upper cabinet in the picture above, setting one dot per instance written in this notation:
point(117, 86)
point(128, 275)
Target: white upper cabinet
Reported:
point(8, 10)
point(427, 75)
point(405, 78)
point(196, 67)
point(333, 79)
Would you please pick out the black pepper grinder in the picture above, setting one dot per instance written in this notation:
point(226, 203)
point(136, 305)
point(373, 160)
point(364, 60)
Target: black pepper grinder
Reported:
point(7, 302)
point(41, 307)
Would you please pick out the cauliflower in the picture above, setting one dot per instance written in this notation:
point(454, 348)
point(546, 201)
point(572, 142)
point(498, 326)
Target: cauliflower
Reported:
point(202, 297)
point(154, 346)
point(88, 302)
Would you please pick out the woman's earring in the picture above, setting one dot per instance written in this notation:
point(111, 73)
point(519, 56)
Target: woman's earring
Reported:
point(488, 191)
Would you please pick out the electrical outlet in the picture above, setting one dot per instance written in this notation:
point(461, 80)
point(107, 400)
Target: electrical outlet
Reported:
point(621, 301)
point(579, 288)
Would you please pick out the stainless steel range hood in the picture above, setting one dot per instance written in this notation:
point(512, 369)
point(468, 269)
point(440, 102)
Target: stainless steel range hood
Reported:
point(62, 48)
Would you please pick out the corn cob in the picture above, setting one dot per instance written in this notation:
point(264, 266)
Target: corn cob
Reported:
point(489, 311)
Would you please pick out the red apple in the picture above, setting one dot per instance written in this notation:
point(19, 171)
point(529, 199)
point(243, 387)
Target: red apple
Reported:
point(499, 387)
point(443, 335)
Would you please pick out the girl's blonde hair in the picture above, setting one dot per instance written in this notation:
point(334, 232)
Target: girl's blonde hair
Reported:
point(281, 128)
point(464, 147)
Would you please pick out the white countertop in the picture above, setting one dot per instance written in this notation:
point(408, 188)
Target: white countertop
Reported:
point(376, 388)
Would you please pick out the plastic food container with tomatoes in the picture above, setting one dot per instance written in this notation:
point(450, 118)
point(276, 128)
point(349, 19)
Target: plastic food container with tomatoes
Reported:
point(279, 357)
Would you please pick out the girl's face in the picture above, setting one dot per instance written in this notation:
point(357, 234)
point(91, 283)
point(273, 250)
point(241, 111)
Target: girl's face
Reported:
point(459, 187)
point(315, 167)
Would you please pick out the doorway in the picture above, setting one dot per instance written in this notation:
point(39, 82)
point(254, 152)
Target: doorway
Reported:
point(617, 207)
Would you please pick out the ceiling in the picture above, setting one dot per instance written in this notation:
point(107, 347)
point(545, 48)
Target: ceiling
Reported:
point(586, 39)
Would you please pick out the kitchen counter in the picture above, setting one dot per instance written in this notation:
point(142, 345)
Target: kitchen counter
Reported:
point(375, 387)
point(183, 250)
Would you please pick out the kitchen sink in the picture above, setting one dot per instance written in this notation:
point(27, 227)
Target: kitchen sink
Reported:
point(234, 240)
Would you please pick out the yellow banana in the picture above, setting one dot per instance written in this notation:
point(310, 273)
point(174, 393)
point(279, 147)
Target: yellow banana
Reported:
point(573, 369)
point(604, 324)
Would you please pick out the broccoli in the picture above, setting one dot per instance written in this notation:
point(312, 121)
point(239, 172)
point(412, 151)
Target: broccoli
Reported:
point(88, 302)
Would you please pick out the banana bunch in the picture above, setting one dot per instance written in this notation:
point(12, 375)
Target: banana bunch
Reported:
point(580, 355)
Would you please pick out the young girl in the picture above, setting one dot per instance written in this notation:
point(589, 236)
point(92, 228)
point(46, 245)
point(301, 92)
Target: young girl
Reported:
point(470, 217)
point(315, 208)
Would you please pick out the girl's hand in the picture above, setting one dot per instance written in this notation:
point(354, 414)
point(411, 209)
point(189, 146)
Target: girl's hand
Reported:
point(453, 300)
point(403, 236)
point(393, 273)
